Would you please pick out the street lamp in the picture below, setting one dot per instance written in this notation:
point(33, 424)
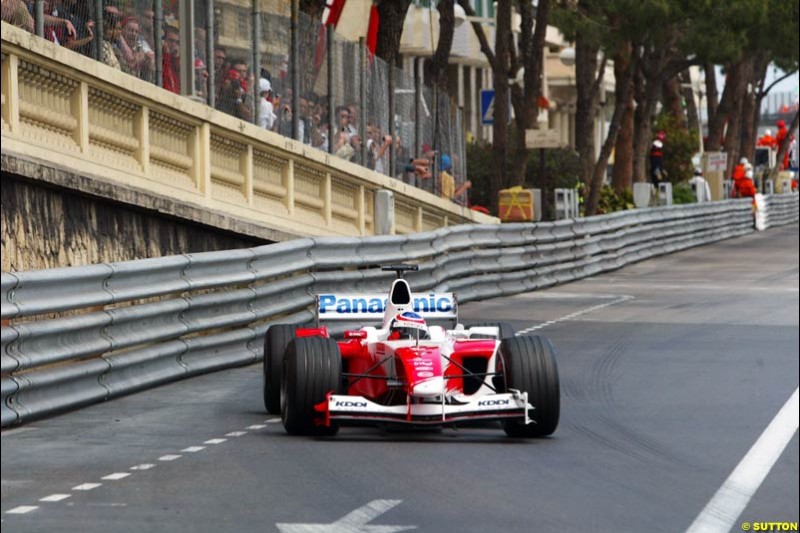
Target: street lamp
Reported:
point(567, 56)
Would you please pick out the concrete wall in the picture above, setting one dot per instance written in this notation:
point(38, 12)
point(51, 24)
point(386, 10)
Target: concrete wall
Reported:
point(46, 227)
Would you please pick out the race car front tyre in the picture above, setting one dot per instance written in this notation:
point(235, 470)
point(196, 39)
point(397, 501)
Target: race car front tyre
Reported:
point(312, 368)
point(276, 341)
point(528, 364)
point(506, 330)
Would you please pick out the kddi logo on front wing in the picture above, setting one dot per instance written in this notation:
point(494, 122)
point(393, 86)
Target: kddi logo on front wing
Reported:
point(349, 306)
point(350, 404)
point(493, 403)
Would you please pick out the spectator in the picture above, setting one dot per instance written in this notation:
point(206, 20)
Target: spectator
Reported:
point(448, 183)
point(220, 68)
point(16, 13)
point(112, 29)
point(171, 62)
point(343, 116)
point(57, 28)
point(657, 159)
point(234, 97)
point(139, 58)
point(76, 11)
point(266, 114)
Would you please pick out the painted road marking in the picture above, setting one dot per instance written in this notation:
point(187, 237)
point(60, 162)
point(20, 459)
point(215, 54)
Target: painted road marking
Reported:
point(143, 466)
point(169, 457)
point(86, 486)
point(724, 509)
point(116, 476)
point(575, 314)
point(235, 433)
point(256, 426)
point(215, 441)
point(272, 421)
point(193, 449)
point(22, 509)
point(353, 522)
point(55, 497)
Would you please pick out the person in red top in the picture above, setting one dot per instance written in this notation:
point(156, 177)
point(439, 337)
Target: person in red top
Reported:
point(783, 131)
point(768, 140)
point(170, 77)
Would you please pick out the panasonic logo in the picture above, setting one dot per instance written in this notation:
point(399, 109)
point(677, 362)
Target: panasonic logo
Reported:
point(492, 403)
point(330, 303)
point(359, 405)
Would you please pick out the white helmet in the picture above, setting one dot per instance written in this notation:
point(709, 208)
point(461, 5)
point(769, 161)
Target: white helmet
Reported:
point(698, 171)
point(768, 132)
point(744, 161)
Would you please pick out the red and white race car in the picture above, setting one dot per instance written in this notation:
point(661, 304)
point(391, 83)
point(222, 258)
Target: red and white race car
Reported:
point(408, 372)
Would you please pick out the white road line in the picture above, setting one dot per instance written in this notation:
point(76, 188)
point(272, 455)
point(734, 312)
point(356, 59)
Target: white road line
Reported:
point(193, 449)
point(169, 457)
point(575, 314)
point(116, 476)
point(22, 509)
point(256, 426)
point(235, 433)
point(215, 441)
point(273, 421)
point(143, 466)
point(55, 497)
point(86, 486)
point(724, 509)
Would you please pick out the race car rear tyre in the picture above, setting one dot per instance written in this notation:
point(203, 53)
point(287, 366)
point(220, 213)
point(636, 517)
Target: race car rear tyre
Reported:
point(506, 330)
point(276, 341)
point(529, 365)
point(312, 368)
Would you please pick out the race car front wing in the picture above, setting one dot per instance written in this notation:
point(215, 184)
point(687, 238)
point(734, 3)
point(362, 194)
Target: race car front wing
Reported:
point(356, 409)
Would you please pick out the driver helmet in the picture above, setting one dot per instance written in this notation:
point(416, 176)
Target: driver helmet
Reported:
point(406, 325)
point(698, 171)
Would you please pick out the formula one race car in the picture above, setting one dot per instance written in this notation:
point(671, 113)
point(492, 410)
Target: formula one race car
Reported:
point(407, 372)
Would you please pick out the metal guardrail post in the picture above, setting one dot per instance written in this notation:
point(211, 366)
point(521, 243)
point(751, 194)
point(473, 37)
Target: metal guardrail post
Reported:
point(158, 36)
point(256, 51)
point(295, 70)
point(392, 132)
point(99, 30)
point(332, 133)
point(417, 108)
point(362, 98)
point(211, 96)
point(38, 11)
point(186, 31)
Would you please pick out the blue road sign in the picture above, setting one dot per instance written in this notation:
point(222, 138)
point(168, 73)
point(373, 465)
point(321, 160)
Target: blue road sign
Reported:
point(487, 107)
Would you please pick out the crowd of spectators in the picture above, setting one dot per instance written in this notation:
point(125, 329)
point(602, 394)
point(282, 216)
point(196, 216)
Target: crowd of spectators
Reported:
point(129, 43)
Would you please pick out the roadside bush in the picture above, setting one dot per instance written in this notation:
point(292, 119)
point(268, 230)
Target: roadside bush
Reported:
point(682, 194)
point(610, 201)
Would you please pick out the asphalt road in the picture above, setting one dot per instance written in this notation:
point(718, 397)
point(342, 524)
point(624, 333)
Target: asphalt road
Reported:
point(670, 369)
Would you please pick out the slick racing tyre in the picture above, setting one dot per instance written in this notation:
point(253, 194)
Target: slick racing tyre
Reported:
point(312, 368)
point(506, 330)
point(276, 341)
point(529, 365)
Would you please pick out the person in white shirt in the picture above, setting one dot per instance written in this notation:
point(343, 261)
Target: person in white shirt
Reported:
point(700, 186)
point(266, 115)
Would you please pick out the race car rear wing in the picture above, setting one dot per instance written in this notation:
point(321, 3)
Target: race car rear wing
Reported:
point(370, 307)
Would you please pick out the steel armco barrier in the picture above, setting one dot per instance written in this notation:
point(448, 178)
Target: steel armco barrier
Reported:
point(80, 335)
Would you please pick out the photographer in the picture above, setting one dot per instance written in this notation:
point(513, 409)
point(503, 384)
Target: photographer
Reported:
point(235, 98)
